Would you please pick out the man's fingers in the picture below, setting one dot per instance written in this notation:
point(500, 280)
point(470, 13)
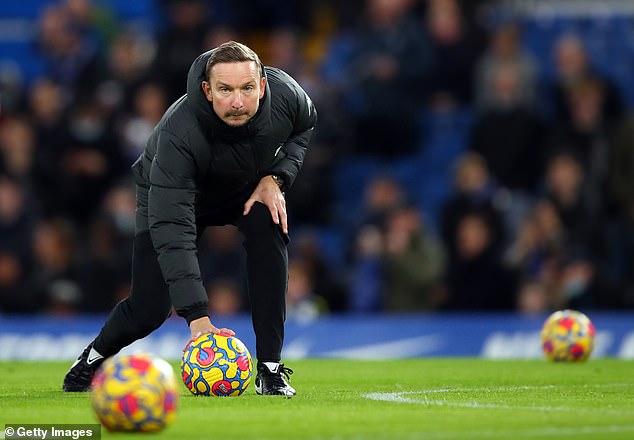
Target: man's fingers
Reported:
point(275, 214)
point(284, 225)
point(248, 205)
point(282, 214)
point(225, 332)
point(284, 220)
point(277, 208)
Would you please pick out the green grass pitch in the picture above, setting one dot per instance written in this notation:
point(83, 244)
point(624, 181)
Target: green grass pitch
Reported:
point(397, 399)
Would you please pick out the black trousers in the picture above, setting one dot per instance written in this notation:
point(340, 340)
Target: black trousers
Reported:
point(149, 304)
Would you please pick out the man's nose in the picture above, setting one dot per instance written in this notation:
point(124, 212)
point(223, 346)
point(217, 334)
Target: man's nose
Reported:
point(237, 100)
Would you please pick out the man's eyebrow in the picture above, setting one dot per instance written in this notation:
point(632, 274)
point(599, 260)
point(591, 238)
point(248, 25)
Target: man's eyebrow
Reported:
point(222, 84)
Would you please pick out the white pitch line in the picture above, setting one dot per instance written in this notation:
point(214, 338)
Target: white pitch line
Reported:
point(525, 433)
point(518, 388)
point(402, 397)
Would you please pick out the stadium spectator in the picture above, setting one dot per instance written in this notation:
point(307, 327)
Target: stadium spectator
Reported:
point(221, 257)
point(17, 147)
point(13, 275)
point(283, 49)
point(105, 254)
point(474, 191)
point(588, 135)
point(303, 304)
point(102, 274)
point(12, 87)
point(54, 285)
point(381, 194)
point(579, 283)
point(225, 297)
point(504, 49)
point(387, 73)
point(619, 231)
point(532, 298)
point(325, 272)
point(538, 252)
point(218, 34)
point(621, 169)
point(47, 107)
point(477, 278)
point(565, 186)
point(72, 60)
point(96, 23)
point(150, 102)
point(180, 42)
point(508, 134)
point(367, 277)
point(16, 231)
point(573, 65)
point(127, 63)
point(455, 49)
point(16, 218)
point(91, 161)
point(414, 262)
point(261, 17)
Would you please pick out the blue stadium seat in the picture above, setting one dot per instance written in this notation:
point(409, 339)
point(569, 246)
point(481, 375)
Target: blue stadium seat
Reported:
point(127, 10)
point(437, 125)
point(408, 172)
point(23, 56)
point(22, 9)
point(333, 247)
point(350, 178)
point(435, 189)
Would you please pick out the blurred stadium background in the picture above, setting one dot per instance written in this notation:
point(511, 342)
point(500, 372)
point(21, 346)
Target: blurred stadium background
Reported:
point(473, 165)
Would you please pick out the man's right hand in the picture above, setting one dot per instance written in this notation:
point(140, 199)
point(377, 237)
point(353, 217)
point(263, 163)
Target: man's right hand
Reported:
point(203, 326)
point(270, 195)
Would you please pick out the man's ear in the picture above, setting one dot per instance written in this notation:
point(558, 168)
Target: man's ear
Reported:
point(207, 90)
point(262, 86)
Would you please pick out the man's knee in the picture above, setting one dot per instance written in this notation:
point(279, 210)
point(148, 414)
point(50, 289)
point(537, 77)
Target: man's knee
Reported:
point(258, 220)
point(147, 317)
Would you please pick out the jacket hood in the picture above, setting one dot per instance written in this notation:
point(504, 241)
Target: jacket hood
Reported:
point(205, 114)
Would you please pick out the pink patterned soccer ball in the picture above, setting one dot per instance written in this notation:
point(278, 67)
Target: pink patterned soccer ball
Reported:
point(216, 365)
point(568, 336)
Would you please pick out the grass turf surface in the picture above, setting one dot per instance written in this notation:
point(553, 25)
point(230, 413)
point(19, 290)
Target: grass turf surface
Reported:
point(405, 399)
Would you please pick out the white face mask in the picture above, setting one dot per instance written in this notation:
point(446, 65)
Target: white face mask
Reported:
point(124, 222)
point(575, 287)
point(86, 128)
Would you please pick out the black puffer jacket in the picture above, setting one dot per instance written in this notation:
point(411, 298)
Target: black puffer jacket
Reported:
point(196, 169)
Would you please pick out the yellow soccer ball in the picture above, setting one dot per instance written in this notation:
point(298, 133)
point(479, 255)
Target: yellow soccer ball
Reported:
point(216, 365)
point(567, 336)
point(134, 393)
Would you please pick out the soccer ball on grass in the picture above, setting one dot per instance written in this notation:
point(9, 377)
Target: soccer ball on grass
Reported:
point(567, 336)
point(216, 365)
point(134, 393)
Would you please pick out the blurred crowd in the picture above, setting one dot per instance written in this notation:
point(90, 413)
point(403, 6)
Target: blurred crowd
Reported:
point(538, 213)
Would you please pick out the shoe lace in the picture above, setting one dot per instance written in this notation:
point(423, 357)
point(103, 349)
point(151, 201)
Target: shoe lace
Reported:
point(286, 372)
point(278, 377)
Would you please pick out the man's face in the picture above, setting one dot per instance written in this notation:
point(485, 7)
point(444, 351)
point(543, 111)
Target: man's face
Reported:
point(235, 90)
